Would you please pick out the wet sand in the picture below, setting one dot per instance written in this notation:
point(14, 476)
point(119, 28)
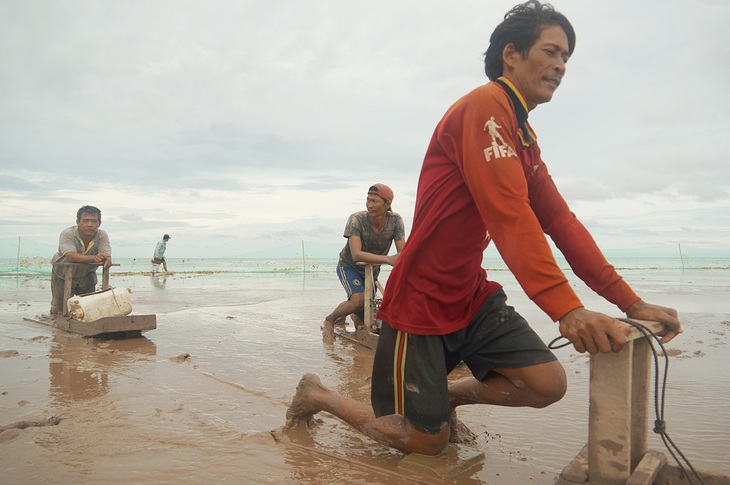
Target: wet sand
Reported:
point(197, 399)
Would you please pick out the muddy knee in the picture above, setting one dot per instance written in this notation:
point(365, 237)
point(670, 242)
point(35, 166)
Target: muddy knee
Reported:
point(430, 444)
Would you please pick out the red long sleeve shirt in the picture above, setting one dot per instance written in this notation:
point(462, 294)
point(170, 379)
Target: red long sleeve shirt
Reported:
point(483, 180)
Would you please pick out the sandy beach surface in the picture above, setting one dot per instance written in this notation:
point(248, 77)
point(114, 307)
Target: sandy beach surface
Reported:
point(201, 398)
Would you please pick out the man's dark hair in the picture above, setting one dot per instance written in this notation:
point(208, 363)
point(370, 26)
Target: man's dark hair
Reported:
point(522, 27)
point(88, 209)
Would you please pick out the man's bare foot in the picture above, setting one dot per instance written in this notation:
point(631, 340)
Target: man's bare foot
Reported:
point(458, 431)
point(302, 406)
point(328, 332)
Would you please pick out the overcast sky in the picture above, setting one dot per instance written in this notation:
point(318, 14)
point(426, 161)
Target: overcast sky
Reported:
point(237, 126)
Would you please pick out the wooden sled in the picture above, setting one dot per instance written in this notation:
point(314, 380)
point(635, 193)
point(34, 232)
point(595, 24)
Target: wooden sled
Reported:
point(127, 326)
point(107, 327)
point(367, 336)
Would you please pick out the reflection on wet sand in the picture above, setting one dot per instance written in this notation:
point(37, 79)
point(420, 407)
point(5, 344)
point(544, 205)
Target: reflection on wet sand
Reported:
point(354, 368)
point(343, 456)
point(159, 281)
point(304, 446)
point(80, 367)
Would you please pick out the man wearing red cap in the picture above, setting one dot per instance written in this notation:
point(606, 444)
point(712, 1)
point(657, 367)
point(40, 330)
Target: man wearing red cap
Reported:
point(369, 234)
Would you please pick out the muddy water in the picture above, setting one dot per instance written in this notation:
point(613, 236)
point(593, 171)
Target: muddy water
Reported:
point(197, 399)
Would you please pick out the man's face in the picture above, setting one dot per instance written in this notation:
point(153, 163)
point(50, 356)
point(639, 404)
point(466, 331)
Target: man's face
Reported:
point(88, 224)
point(375, 205)
point(538, 74)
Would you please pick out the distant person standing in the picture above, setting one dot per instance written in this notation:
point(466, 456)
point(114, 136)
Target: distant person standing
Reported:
point(85, 245)
point(159, 257)
point(369, 234)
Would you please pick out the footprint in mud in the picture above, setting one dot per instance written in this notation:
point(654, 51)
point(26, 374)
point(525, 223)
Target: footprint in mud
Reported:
point(671, 352)
point(680, 354)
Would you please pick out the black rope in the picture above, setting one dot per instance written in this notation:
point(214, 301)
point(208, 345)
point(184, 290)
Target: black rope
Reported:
point(660, 425)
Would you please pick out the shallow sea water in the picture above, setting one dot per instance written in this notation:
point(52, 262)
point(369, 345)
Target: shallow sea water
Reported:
point(139, 411)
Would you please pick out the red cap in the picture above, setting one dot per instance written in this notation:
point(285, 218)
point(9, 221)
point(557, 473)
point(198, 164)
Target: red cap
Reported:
point(382, 191)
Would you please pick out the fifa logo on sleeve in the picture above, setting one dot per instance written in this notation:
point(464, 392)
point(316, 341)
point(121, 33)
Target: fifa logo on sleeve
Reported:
point(499, 147)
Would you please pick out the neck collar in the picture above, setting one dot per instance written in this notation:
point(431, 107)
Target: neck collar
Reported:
point(527, 136)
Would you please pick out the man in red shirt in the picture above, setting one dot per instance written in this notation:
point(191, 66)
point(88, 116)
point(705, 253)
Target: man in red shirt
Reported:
point(483, 180)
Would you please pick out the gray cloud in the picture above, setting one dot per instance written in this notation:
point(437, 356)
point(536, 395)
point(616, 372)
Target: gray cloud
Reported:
point(259, 121)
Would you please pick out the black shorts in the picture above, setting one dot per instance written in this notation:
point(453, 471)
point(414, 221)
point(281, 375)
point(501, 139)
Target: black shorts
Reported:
point(410, 371)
